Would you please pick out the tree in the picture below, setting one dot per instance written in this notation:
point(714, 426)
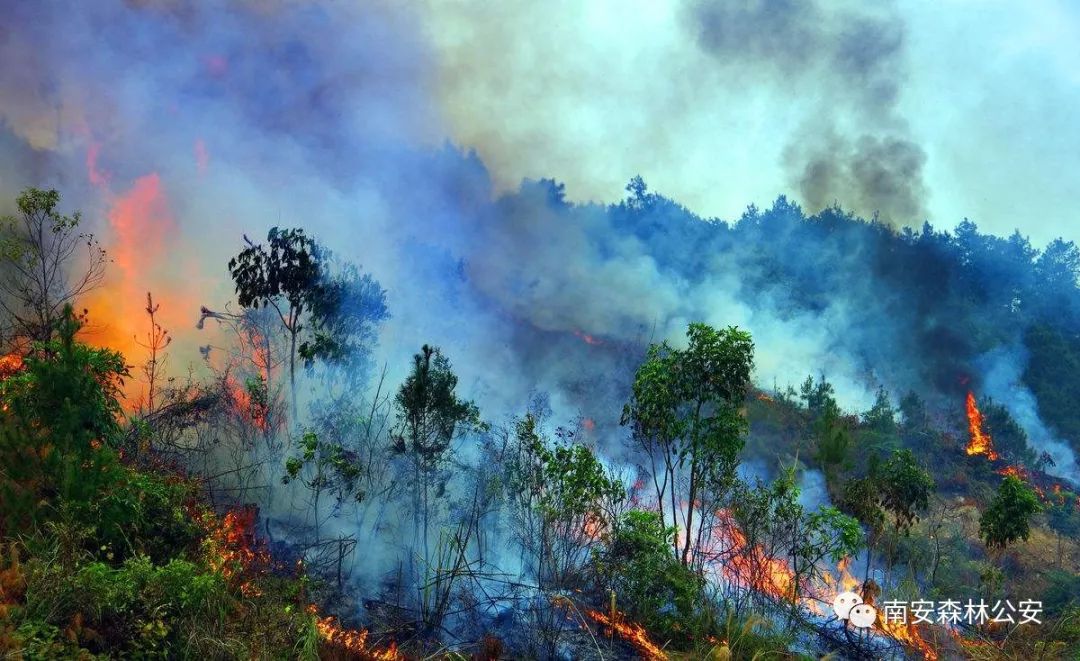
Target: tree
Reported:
point(60, 422)
point(904, 488)
point(325, 315)
point(345, 312)
point(685, 413)
point(820, 397)
point(833, 444)
point(650, 585)
point(323, 466)
point(430, 417)
point(1008, 517)
point(1010, 439)
point(1063, 515)
point(768, 528)
point(880, 422)
point(562, 500)
point(38, 252)
point(285, 276)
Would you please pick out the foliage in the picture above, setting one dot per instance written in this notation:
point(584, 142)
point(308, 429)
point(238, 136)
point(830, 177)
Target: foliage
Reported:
point(325, 315)
point(59, 423)
point(430, 414)
point(324, 466)
point(819, 397)
point(38, 254)
point(685, 414)
point(1008, 517)
point(651, 585)
point(345, 311)
point(563, 501)
point(903, 487)
point(833, 443)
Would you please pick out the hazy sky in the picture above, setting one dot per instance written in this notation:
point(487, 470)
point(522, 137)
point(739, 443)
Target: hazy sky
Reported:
point(592, 93)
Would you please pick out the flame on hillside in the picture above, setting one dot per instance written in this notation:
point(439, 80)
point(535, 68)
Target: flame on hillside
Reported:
point(354, 641)
point(10, 364)
point(908, 634)
point(631, 632)
point(588, 339)
point(752, 567)
point(246, 407)
point(234, 550)
point(980, 443)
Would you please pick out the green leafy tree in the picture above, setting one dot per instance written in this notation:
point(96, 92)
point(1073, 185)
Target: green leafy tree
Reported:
point(1063, 515)
point(860, 498)
point(286, 275)
point(685, 414)
point(819, 397)
point(904, 488)
point(563, 501)
point(345, 312)
point(60, 422)
point(650, 585)
point(42, 265)
point(833, 444)
point(430, 417)
point(1010, 439)
point(880, 426)
point(776, 529)
point(1008, 517)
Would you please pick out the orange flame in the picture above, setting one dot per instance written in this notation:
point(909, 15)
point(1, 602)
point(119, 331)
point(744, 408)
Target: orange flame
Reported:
point(10, 365)
point(631, 632)
point(907, 634)
point(234, 550)
point(980, 443)
point(242, 405)
point(354, 641)
point(753, 567)
point(1014, 471)
point(588, 339)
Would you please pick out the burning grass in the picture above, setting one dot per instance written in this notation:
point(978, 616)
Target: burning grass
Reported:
point(631, 632)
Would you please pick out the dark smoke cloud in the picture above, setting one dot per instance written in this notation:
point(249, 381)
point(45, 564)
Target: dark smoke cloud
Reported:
point(878, 173)
point(846, 64)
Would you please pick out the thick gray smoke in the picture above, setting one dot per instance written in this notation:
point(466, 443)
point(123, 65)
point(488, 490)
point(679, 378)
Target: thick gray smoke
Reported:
point(1002, 371)
point(847, 63)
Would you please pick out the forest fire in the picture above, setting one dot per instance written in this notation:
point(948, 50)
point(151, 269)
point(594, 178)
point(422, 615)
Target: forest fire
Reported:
point(980, 443)
point(246, 406)
point(353, 641)
point(631, 632)
point(234, 549)
point(751, 566)
point(907, 634)
point(10, 364)
point(588, 339)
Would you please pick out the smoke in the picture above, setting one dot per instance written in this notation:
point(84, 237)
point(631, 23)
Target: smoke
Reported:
point(1003, 368)
point(847, 61)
